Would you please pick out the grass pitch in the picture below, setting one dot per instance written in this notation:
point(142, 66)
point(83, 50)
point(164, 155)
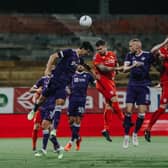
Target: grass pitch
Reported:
point(94, 153)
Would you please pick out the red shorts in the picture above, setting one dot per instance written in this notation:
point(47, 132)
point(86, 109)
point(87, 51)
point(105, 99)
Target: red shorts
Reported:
point(164, 96)
point(106, 87)
point(37, 117)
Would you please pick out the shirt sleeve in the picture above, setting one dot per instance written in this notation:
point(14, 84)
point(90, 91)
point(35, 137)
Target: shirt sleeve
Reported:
point(64, 53)
point(127, 59)
point(39, 83)
point(151, 58)
point(96, 60)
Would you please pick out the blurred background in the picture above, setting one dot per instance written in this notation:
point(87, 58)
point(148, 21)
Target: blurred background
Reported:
point(31, 30)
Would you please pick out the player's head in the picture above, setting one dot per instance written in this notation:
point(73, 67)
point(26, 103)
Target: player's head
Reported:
point(101, 47)
point(86, 48)
point(135, 46)
point(80, 68)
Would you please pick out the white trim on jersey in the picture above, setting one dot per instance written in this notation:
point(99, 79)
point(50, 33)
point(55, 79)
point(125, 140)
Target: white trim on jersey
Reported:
point(61, 54)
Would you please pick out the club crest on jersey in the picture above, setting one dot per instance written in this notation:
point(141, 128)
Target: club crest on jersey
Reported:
point(76, 79)
point(73, 63)
point(143, 58)
point(79, 80)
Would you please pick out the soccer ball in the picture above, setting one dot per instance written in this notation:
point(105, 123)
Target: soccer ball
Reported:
point(85, 21)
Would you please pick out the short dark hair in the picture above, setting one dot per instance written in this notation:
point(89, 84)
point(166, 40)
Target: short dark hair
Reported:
point(100, 43)
point(87, 46)
point(135, 40)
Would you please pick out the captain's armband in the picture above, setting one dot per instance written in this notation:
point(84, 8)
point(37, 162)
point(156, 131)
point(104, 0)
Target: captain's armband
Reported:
point(60, 54)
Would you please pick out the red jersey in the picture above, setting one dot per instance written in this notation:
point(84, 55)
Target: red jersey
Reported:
point(109, 59)
point(164, 74)
point(164, 51)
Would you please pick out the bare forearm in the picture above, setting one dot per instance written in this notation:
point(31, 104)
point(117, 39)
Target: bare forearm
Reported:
point(158, 46)
point(119, 68)
point(33, 90)
point(105, 69)
point(127, 68)
point(51, 61)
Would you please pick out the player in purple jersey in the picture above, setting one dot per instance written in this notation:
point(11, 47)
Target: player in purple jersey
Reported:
point(36, 89)
point(66, 62)
point(77, 100)
point(138, 62)
point(47, 128)
point(44, 117)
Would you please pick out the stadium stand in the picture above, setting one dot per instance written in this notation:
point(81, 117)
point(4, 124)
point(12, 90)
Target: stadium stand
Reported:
point(16, 73)
point(43, 24)
point(32, 38)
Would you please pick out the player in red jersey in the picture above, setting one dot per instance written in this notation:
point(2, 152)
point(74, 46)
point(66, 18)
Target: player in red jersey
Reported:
point(37, 118)
point(105, 64)
point(160, 51)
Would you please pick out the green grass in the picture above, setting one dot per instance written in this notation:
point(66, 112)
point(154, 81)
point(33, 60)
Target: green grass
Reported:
point(94, 153)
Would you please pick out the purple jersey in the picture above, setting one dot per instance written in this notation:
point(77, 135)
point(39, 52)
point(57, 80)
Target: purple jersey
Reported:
point(79, 84)
point(139, 76)
point(137, 90)
point(62, 74)
point(49, 103)
point(77, 99)
point(42, 82)
point(65, 68)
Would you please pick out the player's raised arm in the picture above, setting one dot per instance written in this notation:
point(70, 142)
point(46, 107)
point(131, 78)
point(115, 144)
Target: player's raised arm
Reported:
point(119, 68)
point(50, 63)
point(156, 48)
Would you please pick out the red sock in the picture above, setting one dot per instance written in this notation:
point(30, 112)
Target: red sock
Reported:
point(117, 110)
point(34, 138)
point(107, 118)
point(155, 117)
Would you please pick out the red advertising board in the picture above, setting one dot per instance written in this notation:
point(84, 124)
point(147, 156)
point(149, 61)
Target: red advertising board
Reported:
point(92, 125)
point(94, 103)
point(23, 101)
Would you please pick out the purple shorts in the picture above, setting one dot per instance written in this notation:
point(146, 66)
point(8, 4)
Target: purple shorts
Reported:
point(138, 94)
point(76, 107)
point(57, 92)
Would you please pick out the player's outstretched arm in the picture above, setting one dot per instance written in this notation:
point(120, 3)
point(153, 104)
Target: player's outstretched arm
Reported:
point(91, 71)
point(35, 89)
point(156, 48)
point(119, 68)
point(128, 67)
point(50, 63)
point(105, 69)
